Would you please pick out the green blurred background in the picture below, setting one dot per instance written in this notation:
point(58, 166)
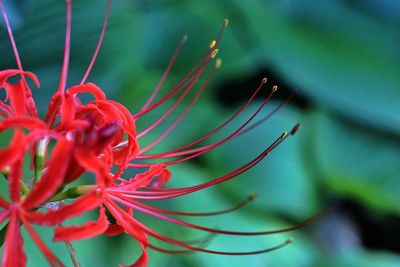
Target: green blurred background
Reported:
point(342, 56)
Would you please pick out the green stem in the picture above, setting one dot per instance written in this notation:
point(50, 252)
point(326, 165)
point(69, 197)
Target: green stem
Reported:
point(73, 192)
point(39, 159)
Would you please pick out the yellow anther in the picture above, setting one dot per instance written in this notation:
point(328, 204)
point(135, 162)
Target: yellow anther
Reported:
point(283, 136)
point(214, 53)
point(274, 88)
point(212, 44)
point(226, 22)
point(218, 63)
point(264, 80)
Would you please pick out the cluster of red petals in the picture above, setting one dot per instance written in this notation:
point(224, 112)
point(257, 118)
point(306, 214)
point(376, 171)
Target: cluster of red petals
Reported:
point(100, 137)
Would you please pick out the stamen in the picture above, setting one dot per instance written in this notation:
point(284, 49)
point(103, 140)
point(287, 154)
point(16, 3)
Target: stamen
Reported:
point(165, 74)
point(178, 87)
point(238, 206)
point(172, 152)
point(145, 209)
point(187, 79)
point(64, 70)
point(192, 249)
point(10, 35)
point(172, 108)
point(115, 209)
point(284, 135)
point(201, 150)
point(96, 52)
point(266, 117)
point(221, 179)
point(181, 116)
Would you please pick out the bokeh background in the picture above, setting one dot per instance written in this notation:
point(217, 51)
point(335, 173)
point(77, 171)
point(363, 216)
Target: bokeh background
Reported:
point(342, 57)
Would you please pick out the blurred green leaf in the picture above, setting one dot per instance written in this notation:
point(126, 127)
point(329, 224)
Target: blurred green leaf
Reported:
point(358, 163)
point(342, 59)
point(360, 259)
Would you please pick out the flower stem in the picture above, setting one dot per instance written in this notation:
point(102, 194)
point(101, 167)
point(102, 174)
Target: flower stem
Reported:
point(72, 253)
point(39, 159)
point(73, 192)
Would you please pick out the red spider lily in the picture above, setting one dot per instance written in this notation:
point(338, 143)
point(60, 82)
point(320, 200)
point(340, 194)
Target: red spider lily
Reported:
point(100, 137)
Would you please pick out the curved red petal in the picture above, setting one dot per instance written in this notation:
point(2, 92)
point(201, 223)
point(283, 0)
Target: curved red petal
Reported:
point(67, 111)
point(53, 177)
point(15, 180)
point(143, 179)
point(88, 230)
point(17, 95)
point(14, 151)
point(6, 74)
point(161, 180)
point(130, 225)
point(13, 253)
point(50, 257)
point(29, 123)
point(88, 88)
point(79, 206)
point(141, 261)
point(3, 203)
point(114, 230)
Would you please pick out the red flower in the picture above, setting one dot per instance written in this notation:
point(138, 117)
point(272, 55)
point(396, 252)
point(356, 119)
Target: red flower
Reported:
point(100, 137)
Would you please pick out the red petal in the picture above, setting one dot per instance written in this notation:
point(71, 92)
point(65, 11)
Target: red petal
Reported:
point(3, 203)
point(50, 257)
point(91, 163)
point(141, 261)
point(127, 222)
point(131, 227)
point(16, 93)
point(13, 253)
point(143, 179)
point(15, 180)
point(5, 74)
point(14, 151)
point(29, 123)
point(88, 88)
point(53, 177)
point(114, 230)
point(161, 180)
point(67, 111)
point(88, 230)
point(3, 215)
point(79, 206)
